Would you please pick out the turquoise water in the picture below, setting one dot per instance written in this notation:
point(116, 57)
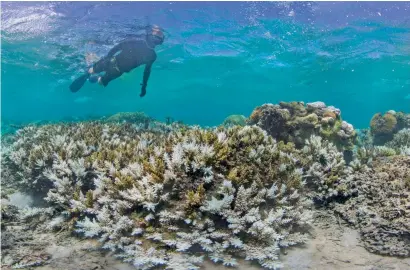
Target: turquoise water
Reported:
point(218, 58)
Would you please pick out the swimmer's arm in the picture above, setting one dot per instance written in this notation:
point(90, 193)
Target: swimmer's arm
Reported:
point(147, 72)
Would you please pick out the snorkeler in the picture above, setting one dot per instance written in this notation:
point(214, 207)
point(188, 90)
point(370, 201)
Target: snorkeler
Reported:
point(124, 57)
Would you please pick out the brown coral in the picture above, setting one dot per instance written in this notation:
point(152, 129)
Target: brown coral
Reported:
point(383, 124)
point(296, 122)
point(383, 127)
point(255, 115)
point(330, 114)
point(271, 118)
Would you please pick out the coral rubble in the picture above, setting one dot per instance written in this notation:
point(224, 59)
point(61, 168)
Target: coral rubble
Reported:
point(381, 211)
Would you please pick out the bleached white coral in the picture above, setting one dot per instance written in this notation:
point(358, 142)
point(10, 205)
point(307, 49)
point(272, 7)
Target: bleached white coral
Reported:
point(78, 167)
point(405, 150)
point(144, 192)
point(384, 151)
point(18, 156)
point(177, 155)
point(153, 199)
point(183, 261)
point(401, 139)
point(90, 228)
point(56, 222)
point(29, 212)
point(215, 205)
point(327, 170)
point(59, 140)
point(143, 258)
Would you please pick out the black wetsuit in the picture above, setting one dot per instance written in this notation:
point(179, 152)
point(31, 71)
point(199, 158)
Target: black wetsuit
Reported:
point(124, 57)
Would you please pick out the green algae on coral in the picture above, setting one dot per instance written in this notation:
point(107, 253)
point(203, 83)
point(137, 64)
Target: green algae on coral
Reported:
point(383, 127)
point(235, 120)
point(130, 117)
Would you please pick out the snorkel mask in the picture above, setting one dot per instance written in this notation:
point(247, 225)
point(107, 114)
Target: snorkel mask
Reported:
point(156, 35)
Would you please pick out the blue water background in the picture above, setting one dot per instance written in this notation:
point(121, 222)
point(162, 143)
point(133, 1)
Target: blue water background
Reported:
point(219, 58)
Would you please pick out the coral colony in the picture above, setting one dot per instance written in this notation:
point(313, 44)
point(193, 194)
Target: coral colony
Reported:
point(172, 195)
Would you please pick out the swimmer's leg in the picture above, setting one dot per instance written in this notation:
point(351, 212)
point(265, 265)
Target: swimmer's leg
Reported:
point(94, 79)
point(79, 82)
point(112, 73)
point(100, 66)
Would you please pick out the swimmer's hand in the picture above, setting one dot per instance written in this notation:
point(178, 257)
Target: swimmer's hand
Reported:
point(143, 90)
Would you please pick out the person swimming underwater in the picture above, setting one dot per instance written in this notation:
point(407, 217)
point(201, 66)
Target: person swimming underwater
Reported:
point(124, 57)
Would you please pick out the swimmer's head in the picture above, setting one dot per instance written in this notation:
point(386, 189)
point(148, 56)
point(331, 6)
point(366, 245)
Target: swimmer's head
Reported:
point(155, 35)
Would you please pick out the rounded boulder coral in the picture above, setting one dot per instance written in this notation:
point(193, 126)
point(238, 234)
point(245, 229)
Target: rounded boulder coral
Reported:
point(235, 120)
point(295, 122)
point(383, 127)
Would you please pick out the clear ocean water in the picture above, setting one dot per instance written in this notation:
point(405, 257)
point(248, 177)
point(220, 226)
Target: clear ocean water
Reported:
point(219, 58)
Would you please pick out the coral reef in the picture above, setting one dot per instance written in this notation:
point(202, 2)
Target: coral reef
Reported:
point(326, 170)
point(166, 199)
point(364, 138)
point(384, 127)
point(171, 195)
point(400, 140)
point(296, 122)
point(235, 120)
point(129, 117)
point(8, 127)
point(403, 119)
point(399, 145)
point(383, 151)
point(381, 211)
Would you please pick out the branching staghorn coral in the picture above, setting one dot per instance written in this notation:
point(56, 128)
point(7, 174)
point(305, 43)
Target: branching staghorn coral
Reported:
point(405, 150)
point(169, 199)
point(401, 142)
point(399, 145)
point(383, 151)
point(51, 155)
point(327, 171)
point(173, 195)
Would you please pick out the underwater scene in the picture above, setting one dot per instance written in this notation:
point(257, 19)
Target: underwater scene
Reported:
point(205, 135)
